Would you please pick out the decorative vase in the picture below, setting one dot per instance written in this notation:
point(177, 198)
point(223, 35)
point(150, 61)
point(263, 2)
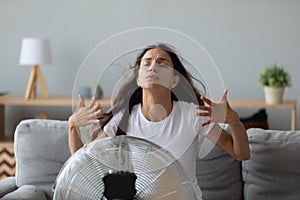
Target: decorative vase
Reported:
point(85, 92)
point(273, 95)
point(99, 92)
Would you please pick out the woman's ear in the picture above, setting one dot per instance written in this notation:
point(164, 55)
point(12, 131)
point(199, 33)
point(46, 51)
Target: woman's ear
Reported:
point(176, 80)
point(138, 82)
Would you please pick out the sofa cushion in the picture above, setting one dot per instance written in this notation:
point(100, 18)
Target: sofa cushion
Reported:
point(219, 176)
point(7, 185)
point(41, 148)
point(26, 192)
point(273, 172)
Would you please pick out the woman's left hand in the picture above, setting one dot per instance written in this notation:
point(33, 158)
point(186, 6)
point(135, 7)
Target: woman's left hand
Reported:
point(217, 112)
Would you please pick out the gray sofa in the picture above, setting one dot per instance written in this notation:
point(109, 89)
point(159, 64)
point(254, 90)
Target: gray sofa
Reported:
point(273, 172)
point(41, 148)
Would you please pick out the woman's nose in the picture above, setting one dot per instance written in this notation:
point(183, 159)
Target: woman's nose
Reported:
point(153, 67)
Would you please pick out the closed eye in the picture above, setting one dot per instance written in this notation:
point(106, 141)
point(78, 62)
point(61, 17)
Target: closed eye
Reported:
point(146, 64)
point(163, 65)
point(159, 65)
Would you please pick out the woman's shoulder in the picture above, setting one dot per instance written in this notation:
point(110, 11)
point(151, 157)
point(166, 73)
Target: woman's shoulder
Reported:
point(185, 108)
point(184, 104)
point(117, 115)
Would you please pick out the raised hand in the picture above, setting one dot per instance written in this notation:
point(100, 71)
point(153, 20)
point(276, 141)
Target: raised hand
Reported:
point(217, 112)
point(86, 115)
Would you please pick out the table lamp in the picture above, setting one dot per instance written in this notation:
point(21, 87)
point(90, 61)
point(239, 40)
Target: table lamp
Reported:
point(35, 52)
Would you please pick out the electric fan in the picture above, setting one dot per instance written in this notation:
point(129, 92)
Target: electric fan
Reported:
point(123, 168)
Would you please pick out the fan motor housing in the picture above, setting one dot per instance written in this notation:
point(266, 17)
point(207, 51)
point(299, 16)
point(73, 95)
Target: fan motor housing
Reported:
point(119, 185)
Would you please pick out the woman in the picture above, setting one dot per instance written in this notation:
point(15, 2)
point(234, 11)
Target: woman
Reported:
point(160, 103)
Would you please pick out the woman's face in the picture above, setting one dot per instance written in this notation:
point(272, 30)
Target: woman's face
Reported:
point(156, 70)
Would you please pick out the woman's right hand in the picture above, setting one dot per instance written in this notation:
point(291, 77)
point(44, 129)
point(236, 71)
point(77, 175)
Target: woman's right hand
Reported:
point(85, 115)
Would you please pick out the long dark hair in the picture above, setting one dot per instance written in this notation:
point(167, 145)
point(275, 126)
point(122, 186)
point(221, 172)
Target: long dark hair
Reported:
point(131, 94)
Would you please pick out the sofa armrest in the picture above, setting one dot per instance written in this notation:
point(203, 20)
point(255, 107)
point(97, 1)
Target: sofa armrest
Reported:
point(26, 192)
point(41, 148)
point(7, 185)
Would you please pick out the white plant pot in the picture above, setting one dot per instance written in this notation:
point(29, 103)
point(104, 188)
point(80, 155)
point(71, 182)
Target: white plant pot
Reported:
point(273, 95)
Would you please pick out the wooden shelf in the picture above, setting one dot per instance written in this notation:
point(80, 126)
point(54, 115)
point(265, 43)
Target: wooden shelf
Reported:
point(39, 101)
point(288, 104)
point(17, 100)
point(260, 103)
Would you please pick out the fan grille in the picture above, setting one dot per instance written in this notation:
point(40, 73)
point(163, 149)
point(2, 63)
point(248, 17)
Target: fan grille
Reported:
point(158, 175)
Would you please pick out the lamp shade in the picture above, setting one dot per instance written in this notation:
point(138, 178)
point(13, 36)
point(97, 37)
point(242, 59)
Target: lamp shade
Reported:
point(35, 52)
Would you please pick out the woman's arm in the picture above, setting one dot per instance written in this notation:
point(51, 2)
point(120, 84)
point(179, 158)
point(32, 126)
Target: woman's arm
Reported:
point(83, 116)
point(75, 142)
point(236, 143)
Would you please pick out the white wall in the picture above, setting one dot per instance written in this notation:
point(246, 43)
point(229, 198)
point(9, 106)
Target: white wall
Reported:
point(241, 36)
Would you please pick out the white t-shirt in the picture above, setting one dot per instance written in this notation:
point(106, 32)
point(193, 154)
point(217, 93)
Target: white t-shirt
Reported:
point(177, 133)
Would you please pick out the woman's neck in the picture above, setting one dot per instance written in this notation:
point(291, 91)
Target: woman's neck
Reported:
point(156, 106)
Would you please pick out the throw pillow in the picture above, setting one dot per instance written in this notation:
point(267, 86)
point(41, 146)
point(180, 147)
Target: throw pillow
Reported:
point(273, 172)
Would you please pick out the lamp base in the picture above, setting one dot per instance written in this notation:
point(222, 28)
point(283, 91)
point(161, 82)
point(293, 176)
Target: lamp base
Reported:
point(36, 75)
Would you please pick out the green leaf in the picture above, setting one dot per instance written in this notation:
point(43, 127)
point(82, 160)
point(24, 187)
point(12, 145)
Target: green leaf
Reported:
point(274, 76)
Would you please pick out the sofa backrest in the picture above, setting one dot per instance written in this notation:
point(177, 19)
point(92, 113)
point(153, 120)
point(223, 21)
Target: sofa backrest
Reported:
point(41, 148)
point(219, 176)
point(273, 172)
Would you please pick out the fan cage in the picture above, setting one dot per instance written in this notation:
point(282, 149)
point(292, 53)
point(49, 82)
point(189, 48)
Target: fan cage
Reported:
point(159, 174)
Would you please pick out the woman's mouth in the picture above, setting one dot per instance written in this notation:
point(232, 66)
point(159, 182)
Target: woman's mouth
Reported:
point(151, 77)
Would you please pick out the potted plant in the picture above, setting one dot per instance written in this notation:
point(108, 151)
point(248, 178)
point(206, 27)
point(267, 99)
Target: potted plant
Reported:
point(274, 78)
